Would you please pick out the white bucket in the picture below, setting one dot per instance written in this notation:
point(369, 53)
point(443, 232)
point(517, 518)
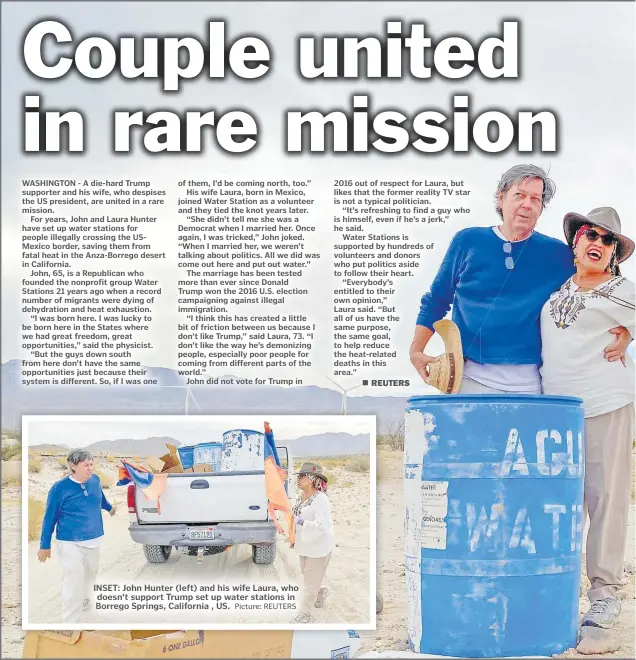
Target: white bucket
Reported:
point(243, 451)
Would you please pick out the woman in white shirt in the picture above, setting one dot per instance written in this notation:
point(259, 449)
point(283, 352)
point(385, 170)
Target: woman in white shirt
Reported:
point(314, 537)
point(575, 324)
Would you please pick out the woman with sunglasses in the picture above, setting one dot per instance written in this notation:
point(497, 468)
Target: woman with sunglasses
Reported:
point(314, 537)
point(575, 324)
point(74, 510)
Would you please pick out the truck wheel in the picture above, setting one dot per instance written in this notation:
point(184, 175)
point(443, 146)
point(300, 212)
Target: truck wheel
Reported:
point(157, 554)
point(264, 554)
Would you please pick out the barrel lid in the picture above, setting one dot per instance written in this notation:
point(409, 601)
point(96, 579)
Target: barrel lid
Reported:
point(545, 399)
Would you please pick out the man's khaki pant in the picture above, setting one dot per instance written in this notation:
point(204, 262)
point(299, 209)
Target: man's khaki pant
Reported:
point(79, 569)
point(608, 477)
point(313, 571)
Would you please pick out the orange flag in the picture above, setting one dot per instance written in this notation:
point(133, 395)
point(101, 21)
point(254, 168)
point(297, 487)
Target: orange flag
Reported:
point(275, 478)
point(278, 500)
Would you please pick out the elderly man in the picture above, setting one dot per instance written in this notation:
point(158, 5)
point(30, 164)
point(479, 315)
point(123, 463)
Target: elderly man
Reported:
point(74, 509)
point(497, 279)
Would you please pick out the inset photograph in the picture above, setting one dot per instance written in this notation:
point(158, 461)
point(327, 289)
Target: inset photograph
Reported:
point(209, 522)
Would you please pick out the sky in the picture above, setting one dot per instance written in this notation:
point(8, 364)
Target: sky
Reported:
point(83, 431)
point(575, 60)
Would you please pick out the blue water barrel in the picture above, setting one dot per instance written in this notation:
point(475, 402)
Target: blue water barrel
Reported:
point(494, 515)
point(210, 453)
point(186, 456)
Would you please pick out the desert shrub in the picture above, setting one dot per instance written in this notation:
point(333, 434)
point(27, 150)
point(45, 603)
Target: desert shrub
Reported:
point(11, 473)
point(395, 435)
point(61, 462)
point(11, 480)
point(11, 451)
point(326, 462)
point(111, 458)
point(347, 484)
point(331, 463)
point(358, 464)
point(106, 480)
point(36, 514)
point(35, 464)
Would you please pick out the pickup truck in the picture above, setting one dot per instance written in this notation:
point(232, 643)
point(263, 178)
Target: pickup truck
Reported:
point(204, 513)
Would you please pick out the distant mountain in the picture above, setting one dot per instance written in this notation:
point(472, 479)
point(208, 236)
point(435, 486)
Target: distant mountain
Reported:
point(329, 444)
point(169, 398)
point(134, 447)
point(49, 449)
point(322, 444)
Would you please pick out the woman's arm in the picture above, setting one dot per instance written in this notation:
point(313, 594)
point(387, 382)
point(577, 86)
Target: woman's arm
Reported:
point(617, 350)
point(314, 529)
point(624, 316)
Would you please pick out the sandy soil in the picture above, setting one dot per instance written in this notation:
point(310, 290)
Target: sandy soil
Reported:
point(391, 632)
point(122, 560)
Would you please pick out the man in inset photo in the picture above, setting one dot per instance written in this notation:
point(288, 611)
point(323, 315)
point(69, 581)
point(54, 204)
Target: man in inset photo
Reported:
point(74, 511)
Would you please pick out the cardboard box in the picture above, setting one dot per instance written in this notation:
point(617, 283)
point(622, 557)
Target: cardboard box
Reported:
point(202, 467)
point(171, 460)
point(155, 464)
point(135, 634)
point(168, 460)
point(158, 644)
point(176, 468)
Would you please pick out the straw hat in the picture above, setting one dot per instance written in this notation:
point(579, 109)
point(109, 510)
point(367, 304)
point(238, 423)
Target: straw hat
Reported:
point(446, 374)
point(312, 468)
point(605, 217)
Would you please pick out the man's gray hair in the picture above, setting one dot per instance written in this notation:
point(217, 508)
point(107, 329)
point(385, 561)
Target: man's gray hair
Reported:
point(76, 456)
point(520, 173)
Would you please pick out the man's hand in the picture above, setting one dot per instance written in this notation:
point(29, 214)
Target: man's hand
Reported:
point(617, 350)
point(113, 511)
point(43, 555)
point(421, 362)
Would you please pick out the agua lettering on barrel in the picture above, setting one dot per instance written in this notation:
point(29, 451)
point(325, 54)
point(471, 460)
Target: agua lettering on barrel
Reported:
point(515, 459)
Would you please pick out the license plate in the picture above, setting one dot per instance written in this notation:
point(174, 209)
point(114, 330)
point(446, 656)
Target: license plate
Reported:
point(202, 534)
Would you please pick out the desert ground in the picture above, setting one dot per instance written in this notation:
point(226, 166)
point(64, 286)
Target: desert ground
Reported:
point(391, 634)
point(122, 560)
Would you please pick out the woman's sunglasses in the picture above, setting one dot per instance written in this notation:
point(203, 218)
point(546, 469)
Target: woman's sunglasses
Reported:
point(607, 239)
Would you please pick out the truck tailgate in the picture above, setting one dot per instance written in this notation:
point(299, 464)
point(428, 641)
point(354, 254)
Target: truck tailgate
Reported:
point(207, 498)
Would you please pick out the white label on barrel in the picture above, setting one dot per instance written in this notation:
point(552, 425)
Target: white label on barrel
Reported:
point(418, 432)
point(433, 510)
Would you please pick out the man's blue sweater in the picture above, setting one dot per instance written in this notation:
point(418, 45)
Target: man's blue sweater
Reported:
point(78, 517)
point(497, 309)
